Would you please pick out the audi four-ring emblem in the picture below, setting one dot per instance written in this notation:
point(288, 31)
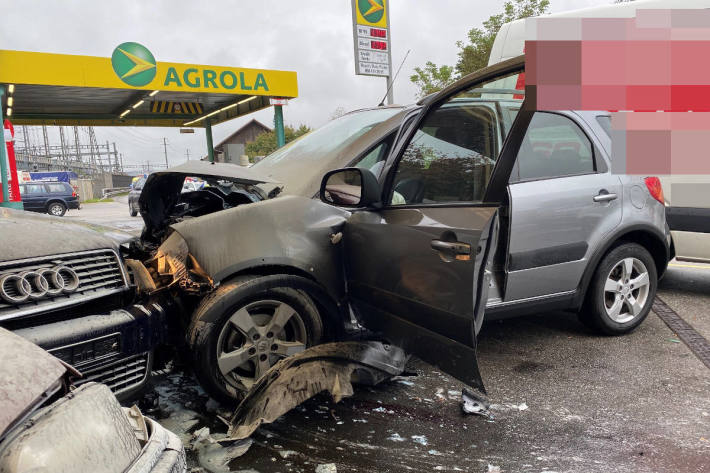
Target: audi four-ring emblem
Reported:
point(33, 285)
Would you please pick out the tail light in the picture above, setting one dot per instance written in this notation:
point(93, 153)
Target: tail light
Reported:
point(73, 194)
point(654, 187)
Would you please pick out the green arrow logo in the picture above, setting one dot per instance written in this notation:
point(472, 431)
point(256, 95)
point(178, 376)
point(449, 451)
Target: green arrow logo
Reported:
point(133, 64)
point(371, 10)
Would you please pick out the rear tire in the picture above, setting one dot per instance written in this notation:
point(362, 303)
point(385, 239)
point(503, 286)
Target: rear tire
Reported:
point(622, 290)
point(132, 210)
point(57, 209)
point(234, 338)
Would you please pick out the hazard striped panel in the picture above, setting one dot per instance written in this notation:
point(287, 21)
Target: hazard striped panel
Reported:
point(176, 108)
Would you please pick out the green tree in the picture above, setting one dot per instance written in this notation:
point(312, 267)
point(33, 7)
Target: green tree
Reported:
point(431, 78)
point(265, 143)
point(474, 53)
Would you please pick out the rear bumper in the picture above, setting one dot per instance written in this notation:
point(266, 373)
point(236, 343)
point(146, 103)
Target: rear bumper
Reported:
point(688, 219)
point(73, 204)
point(114, 348)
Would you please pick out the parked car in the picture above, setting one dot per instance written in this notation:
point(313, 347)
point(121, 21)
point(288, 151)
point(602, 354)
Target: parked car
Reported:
point(65, 287)
point(417, 256)
point(686, 197)
point(133, 196)
point(53, 198)
point(46, 426)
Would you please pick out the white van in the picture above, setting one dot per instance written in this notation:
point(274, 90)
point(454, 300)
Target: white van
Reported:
point(687, 196)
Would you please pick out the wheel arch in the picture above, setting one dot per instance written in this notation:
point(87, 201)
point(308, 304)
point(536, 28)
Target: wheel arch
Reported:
point(55, 200)
point(644, 235)
point(334, 314)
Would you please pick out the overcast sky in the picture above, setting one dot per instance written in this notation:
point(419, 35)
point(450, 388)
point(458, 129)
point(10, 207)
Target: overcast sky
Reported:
point(312, 37)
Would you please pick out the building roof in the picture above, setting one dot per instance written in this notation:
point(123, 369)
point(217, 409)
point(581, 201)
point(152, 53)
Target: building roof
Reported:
point(250, 123)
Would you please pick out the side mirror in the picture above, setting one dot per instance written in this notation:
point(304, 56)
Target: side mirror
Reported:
point(350, 187)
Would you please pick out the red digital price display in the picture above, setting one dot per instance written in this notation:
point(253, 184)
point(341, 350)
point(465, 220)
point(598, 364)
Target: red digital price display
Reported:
point(381, 45)
point(375, 33)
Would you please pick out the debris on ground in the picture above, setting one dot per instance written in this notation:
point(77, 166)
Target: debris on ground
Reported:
point(493, 469)
point(331, 367)
point(474, 403)
point(327, 468)
point(215, 457)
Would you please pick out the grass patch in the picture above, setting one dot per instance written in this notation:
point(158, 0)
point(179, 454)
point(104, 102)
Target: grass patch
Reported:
point(96, 201)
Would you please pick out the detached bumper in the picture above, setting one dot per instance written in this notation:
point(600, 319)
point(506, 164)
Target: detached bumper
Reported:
point(163, 453)
point(114, 349)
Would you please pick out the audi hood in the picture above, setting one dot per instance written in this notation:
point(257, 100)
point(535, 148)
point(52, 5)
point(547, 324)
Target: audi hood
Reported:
point(26, 234)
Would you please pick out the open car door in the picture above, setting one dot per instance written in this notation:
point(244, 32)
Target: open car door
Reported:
point(416, 263)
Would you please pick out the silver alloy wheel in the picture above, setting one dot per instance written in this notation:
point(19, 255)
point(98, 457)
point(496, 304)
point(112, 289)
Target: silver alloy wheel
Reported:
point(626, 290)
point(257, 336)
point(56, 210)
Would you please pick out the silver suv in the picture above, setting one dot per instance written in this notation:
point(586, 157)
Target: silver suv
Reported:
point(466, 194)
point(580, 239)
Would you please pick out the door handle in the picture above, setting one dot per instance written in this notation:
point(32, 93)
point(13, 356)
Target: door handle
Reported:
point(604, 196)
point(451, 247)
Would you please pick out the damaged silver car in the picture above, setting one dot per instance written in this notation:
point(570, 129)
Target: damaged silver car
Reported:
point(263, 281)
point(46, 425)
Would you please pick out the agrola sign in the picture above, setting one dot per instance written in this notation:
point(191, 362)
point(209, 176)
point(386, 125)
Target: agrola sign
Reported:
point(136, 66)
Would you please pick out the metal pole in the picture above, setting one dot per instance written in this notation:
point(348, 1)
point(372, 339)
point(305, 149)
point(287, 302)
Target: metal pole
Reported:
point(3, 158)
point(279, 125)
point(210, 146)
point(165, 148)
point(390, 92)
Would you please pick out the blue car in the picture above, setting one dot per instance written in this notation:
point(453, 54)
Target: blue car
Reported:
point(53, 198)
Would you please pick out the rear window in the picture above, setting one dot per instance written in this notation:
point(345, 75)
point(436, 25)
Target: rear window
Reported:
point(57, 188)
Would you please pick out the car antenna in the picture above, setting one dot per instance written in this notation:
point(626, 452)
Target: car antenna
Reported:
point(382, 103)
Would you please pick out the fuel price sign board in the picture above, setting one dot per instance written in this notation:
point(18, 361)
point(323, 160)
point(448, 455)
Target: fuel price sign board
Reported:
point(371, 35)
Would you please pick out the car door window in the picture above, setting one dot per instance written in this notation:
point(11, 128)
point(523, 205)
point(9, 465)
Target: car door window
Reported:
point(554, 146)
point(34, 189)
point(374, 159)
point(451, 156)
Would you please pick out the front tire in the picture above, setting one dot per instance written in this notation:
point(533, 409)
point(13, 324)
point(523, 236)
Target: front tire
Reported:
point(57, 209)
point(622, 290)
point(132, 210)
point(243, 328)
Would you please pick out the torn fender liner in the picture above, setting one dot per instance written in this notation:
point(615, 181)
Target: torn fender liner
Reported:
point(332, 367)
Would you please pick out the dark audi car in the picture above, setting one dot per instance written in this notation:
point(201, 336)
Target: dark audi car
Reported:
point(53, 198)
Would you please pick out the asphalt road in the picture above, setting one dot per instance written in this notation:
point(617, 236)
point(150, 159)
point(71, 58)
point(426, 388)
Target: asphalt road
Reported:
point(113, 214)
point(565, 400)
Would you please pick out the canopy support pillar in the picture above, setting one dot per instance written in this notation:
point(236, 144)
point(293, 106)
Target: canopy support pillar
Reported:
point(4, 165)
point(279, 125)
point(210, 146)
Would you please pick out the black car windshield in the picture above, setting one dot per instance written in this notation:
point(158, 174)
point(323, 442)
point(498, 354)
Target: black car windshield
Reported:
point(310, 150)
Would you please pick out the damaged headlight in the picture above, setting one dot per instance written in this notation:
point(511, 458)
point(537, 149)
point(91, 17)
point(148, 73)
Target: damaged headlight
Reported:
point(172, 265)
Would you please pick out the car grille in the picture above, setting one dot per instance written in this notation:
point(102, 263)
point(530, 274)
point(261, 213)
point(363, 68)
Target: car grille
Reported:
point(121, 375)
point(91, 274)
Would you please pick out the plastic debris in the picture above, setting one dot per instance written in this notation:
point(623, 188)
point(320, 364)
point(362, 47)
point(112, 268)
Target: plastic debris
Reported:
point(327, 468)
point(473, 403)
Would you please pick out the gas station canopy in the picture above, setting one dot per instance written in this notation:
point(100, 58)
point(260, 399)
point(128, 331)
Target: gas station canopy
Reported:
point(132, 89)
